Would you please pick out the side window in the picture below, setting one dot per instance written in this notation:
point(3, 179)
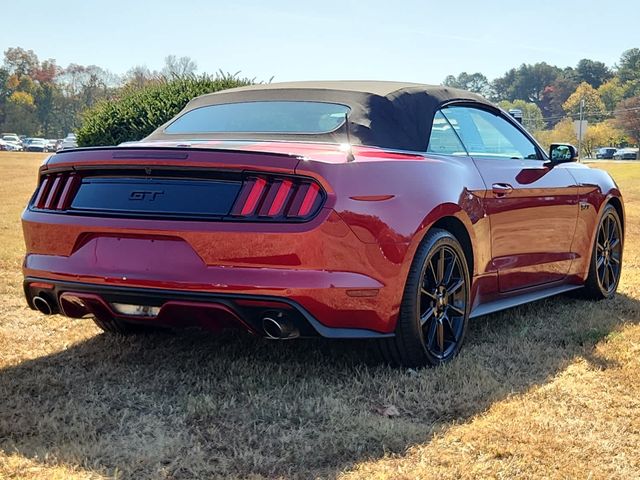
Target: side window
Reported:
point(443, 139)
point(488, 135)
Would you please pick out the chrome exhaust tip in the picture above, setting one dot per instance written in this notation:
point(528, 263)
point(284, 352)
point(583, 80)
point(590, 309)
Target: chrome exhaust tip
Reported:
point(277, 326)
point(42, 305)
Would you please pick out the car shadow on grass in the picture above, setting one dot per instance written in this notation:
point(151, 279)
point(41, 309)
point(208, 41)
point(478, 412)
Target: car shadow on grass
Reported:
point(194, 405)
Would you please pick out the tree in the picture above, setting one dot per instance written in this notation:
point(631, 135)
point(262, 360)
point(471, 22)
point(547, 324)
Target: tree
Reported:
point(527, 82)
point(562, 132)
point(139, 76)
point(4, 93)
point(611, 93)
point(553, 98)
point(603, 134)
point(178, 67)
point(628, 117)
point(592, 72)
point(140, 111)
point(20, 61)
point(20, 114)
point(475, 82)
point(531, 114)
point(629, 66)
point(593, 109)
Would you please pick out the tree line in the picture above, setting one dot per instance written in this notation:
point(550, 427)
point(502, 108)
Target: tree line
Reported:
point(41, 98)
point(550, 98)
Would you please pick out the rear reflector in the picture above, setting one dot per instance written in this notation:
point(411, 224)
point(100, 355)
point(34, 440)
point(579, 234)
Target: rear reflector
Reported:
point(136, 310)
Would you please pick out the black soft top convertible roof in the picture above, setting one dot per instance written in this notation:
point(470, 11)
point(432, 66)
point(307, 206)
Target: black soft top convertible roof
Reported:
point(393, 115)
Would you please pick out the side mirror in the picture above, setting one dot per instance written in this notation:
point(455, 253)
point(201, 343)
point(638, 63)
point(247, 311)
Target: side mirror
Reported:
point(562, 153)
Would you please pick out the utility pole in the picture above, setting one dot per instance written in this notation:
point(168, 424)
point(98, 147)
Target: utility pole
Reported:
point(580, 130)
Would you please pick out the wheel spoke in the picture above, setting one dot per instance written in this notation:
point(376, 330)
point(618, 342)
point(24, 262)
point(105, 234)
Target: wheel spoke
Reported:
point(612, 276)
point(614, 243)
point(612, 230)
point(599, 262)
point(600, 247)
point(440, 266)
point(431, 334)
point(456, 309)
point(433, 272)
point(440, 335)
point(455, 287)
point(606, 281)
point(615, 260)
point(452, 331)
point(448, 273)
point(429, 294)
point(426, 316)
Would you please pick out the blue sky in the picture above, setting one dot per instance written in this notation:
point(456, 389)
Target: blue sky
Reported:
point(421, 41)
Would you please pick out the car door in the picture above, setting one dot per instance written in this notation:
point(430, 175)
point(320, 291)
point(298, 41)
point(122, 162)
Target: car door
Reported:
point(532, 208)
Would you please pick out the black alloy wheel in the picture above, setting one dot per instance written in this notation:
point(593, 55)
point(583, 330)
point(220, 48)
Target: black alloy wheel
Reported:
point(606, 260)
point(435, 306)
point(443, 302)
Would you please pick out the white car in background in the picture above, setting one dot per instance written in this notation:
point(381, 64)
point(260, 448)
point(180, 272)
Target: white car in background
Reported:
point(37, 145)
point(626, 154)
point(69, 142)
point(13, 143)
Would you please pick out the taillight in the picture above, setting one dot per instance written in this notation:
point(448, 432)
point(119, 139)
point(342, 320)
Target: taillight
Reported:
point(276, 198)
point(56, 191)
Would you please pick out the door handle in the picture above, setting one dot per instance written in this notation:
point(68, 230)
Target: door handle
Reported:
point(501, 189)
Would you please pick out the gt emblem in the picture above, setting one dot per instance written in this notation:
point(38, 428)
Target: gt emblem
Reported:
point(584, 206)
point(149, 195)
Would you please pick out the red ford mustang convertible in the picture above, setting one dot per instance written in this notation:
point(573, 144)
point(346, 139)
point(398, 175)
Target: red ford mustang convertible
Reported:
point(387, 211)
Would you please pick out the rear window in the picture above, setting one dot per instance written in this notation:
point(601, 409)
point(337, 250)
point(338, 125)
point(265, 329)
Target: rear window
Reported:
point(262, 117)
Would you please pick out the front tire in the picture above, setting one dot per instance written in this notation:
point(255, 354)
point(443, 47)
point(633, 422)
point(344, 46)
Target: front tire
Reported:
point(605, 266)
point(435, 306)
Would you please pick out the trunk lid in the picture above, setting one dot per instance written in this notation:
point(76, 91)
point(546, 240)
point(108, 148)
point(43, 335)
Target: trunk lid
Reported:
point(178, 183)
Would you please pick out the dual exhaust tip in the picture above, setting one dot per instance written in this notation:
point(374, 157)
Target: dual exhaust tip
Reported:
point(277, 326)
point(42, 305)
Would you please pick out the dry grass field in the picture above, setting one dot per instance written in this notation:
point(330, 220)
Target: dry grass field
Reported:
point(548, 390)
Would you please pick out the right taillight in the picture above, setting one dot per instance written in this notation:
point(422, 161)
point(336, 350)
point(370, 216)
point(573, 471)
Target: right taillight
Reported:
point(277, 198)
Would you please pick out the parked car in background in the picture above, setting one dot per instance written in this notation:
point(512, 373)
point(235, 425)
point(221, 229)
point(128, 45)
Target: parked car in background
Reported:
point(69, 142)
point(51, 145)
point(626, 154)
point(387, 211)
point(3, 145)
point(606, 152)
point(13, 142)
point(37, 145)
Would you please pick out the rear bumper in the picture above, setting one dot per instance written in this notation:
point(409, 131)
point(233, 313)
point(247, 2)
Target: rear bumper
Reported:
point(321, 266)
point(182, 309)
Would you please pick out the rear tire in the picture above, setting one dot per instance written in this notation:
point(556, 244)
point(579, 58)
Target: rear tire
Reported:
point(435, 305)
point(605, 265)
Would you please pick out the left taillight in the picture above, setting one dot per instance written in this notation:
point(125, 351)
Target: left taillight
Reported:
point(56, 191)
point(264, 198)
